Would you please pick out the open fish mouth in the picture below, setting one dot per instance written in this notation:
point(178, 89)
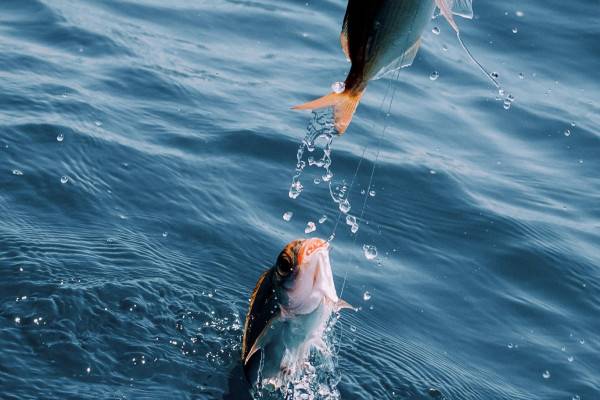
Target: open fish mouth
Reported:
point(311, 246)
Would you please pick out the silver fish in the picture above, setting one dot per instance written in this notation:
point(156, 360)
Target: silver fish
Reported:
point(289, 311)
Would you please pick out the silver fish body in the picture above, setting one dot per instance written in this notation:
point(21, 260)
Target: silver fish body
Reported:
point(289, 311)
point(382, 35)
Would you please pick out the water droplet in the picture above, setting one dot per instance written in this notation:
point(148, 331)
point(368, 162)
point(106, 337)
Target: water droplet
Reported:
point(369, 251)
point(88, 370)
point(354, 228)
point(521, 76)
point(287, 216)
point(60, 137)
point(563, 348)
point(317, 180)
point(510, 98)
point(510, 345)
point(17, 320)
point(17, 172)
point(366, 296)
point(445, 47)
point(581, 341)
point(515, 30)
point(573, 124)
point(352, 328)
point(98, 123)
point(64, 179)
point(434, 75)
point(310, 227)
point(436, 30)
point(567, 132)
point(546, 374)
point(506, 104)
point(519, 13)
point(570, 359)
point(323, 219)
point(20, 269)
point(295, 189)
point(576, 397)
point(494, 75)
point(165, 234)
point(350, 219)
point(432, 172)
point(344, 206)
point(372, 193)
point(338, 87)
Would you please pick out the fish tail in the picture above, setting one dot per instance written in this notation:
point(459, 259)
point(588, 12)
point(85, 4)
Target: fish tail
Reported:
point(344, 105)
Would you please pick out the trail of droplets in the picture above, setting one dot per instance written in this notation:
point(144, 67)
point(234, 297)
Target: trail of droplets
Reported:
point(321, 127)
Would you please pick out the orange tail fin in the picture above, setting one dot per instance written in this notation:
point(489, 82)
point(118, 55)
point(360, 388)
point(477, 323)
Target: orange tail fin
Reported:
point(344, 104)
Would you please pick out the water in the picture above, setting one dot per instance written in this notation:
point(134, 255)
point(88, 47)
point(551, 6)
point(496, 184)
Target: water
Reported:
point(172, 125)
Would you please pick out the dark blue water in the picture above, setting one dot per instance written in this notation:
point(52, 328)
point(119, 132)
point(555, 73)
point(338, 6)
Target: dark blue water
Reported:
point(146, 153)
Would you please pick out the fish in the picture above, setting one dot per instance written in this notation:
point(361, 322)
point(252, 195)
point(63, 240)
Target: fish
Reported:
point(289, 310)
point(379, 37)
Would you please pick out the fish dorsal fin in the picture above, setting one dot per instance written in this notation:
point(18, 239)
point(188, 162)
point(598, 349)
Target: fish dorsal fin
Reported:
point(463, 8)
point(262, 339)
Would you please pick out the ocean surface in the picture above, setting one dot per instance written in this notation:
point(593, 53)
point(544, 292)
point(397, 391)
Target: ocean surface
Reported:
point(146, 154)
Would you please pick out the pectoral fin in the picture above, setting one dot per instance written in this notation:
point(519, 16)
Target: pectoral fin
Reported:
point(464, 8)
point(409, 55)
point(340, 304)
point(263, 339)
point(446, 12)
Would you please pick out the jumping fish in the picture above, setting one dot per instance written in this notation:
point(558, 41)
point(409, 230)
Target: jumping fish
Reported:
point(378, 37)
point(289, 311)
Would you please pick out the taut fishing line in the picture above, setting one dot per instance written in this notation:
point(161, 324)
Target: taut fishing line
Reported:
point(380, 138)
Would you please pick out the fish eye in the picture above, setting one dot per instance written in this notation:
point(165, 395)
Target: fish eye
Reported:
point(285, 263)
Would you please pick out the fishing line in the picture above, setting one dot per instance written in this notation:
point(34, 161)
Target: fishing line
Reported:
point(362, 157)
point(379, 140)
point(481, 67)
point(381, 137)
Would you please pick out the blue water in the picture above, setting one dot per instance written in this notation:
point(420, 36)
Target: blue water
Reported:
point(146, 153)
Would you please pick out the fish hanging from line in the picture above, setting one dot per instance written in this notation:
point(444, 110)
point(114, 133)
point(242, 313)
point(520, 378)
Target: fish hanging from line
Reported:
point(289, 311)
point(378, 37)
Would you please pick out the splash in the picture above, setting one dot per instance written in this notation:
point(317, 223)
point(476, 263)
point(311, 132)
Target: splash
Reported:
point(316, 378)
